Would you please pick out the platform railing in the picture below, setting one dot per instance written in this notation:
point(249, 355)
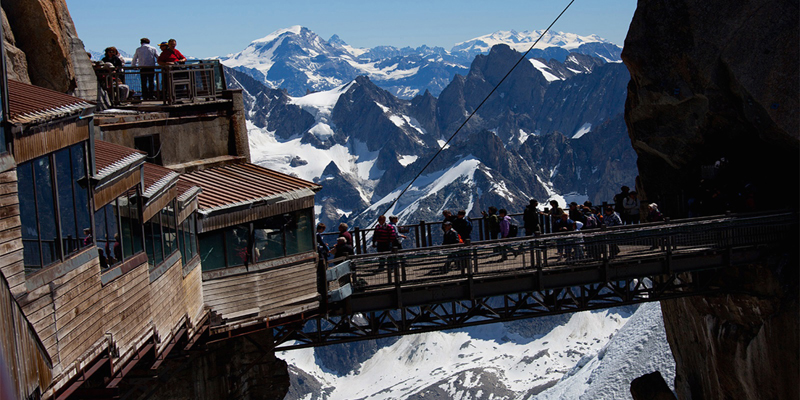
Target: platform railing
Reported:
point(193, 81)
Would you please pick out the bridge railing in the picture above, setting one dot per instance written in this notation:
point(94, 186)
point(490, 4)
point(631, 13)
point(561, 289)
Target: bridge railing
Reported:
point(591, 249)
point(428, 234)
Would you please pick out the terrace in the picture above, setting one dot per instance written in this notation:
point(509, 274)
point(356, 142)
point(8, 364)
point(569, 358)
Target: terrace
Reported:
point(195, 81)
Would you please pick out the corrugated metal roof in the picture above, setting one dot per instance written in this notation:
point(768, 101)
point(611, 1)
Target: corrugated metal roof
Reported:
point(110, 158)
point(157, 178)
point(186, 190)
point(239, 184)
point(29, 104)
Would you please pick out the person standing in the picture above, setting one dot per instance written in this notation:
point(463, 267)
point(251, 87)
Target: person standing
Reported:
point(384, 235)
point(492, 222)
point(322, 247)
point(462, 226)
point(145, 58)
point(619, 199)
point(531, 218)
point(345, 234)
point(631, 204)
point(169, 54)
point(397, 235)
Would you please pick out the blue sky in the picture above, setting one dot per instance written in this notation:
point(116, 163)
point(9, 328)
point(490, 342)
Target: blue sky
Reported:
point(206, 28)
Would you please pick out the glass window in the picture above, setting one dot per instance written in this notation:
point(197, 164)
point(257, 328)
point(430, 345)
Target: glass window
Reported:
point(55, 212)
point(236, 244)
point(135, 220)
point(268, 239)
point(168, 229)
point(48, 234)
point(27, 211)
point(80, 186)
point(213, 250)
point(69, 232)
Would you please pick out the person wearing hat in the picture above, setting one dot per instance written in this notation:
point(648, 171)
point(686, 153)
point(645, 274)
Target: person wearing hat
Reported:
point(653, 215)
point(450, 236)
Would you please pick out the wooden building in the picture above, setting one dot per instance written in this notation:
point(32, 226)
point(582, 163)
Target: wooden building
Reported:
point(123, 234)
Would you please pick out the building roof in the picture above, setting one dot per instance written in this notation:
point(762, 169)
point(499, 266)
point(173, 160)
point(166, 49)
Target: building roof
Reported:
point(186, 190)
point(157, 178)
point(110, 158)
point(235, 185)
point(30, 104)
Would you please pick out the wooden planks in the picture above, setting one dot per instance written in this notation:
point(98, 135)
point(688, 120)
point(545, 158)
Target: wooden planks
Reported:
point(11, 264)
point(24, 354)
point(271, 292)
point(49, 139)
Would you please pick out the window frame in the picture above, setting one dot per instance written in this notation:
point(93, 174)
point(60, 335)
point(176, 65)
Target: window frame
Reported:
point(61, 254)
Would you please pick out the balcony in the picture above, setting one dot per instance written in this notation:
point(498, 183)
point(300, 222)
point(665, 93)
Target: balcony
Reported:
point(195, 81)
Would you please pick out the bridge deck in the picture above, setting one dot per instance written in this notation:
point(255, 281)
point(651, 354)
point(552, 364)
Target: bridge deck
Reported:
point(417, 290)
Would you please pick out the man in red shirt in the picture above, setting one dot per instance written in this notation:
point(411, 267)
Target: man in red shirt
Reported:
point(169, 54)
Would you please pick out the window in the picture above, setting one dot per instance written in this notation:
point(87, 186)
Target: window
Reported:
point(161, 235)
point(187, 235)
point(151, 145)
point(55, 212)
point(118, 229)
point(267, 239)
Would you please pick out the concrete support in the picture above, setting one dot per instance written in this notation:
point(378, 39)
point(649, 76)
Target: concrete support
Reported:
point(238, 125)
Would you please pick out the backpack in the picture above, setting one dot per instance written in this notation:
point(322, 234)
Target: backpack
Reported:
point(591, 222)
point(513, 230)
point(460, 241)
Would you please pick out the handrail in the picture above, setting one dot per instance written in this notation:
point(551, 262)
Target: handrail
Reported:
point(362, 234)
point(592, 249)
point(195, 80)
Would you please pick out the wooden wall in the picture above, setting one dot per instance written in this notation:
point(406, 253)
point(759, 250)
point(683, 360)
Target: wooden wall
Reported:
point(269, 293)
point(11, 264)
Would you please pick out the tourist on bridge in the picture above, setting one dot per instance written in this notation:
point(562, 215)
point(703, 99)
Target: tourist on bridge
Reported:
point(462, 226)
point(530, 219)
point(575, 213)
point(653, 215)
point(562, 224)
point(450, 236)
point(322, 247)
point(345, 234)
point(555, 214)
point(342, 249)
point(448, 216)
point(398, 237)
point(492, 222)
point(619, 199)
point(631, 205)
point(384, 235)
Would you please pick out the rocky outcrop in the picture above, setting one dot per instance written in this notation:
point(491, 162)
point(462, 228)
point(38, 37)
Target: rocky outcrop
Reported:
point(712, 113)
point(56, 59)
point(16, 62)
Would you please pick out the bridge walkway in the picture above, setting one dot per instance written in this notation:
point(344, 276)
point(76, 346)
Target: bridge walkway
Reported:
point(417, 290)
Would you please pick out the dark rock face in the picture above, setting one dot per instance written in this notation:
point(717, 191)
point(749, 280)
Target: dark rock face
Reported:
point(711, 81)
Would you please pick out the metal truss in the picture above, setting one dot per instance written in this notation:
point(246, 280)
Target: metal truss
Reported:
point(348, 327)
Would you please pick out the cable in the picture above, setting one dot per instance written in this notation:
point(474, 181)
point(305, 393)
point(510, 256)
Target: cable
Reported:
point(476, 109)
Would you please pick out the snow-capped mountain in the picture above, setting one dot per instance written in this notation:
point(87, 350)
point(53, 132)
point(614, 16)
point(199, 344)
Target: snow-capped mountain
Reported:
point(562, 357)
point(300, 61)
point(553, 45)
point(536, 137)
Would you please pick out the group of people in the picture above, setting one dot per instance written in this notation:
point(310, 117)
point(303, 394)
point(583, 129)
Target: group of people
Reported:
point(146, 57)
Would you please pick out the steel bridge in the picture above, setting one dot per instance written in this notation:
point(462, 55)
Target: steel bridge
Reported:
point(446, 287)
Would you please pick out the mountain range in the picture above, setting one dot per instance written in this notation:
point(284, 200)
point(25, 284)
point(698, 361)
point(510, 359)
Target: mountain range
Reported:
point(364, 122)
point(536, 137)
point(298, 60)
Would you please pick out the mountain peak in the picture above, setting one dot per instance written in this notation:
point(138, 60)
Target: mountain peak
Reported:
point(295, 30)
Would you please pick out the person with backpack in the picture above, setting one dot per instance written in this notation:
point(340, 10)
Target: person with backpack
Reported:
point(492, 222)
point(450, 236)
point(530, 219)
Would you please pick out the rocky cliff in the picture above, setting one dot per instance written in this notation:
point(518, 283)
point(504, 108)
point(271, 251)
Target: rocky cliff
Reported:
point(712, 113)
point(43, 48)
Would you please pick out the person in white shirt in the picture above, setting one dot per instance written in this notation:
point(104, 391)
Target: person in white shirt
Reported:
point(145, 58)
